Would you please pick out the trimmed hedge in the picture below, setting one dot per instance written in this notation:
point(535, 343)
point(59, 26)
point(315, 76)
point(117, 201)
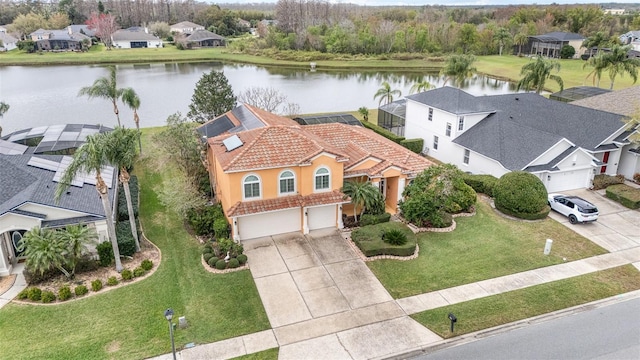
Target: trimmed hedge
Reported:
point(384, 132)
point(369, 240)
point(624, 194)
point(368, 219)
point(105, 253)
point(415, 145)
point(522, 195)
point(602, 181)
point(126, 242)
point(123, 212)
point(202, 219)
point(481, 183)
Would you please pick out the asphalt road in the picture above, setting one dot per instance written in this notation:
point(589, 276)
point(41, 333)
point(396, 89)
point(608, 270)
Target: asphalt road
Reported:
point(609, 332)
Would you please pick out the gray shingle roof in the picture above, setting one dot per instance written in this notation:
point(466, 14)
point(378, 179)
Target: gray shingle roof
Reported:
point(132, 35)
point(625, 101)
point(200, 35)
point(559, 36)
point(452, 100)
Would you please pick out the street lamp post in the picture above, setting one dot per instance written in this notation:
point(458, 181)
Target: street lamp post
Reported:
point(168, 314)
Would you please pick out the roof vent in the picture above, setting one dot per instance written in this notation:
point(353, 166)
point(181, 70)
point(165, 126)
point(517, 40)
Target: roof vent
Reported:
point(232, 142)
point(517, 98)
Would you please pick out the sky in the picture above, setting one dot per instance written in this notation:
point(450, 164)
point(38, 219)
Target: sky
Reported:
point(447, 2)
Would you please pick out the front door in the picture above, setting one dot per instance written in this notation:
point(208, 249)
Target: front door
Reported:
point(605, 160)
point(383, 187)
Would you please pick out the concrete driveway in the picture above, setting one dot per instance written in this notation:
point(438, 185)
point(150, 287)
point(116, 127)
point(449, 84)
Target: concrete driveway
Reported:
point(324, 302)
point(617, 228)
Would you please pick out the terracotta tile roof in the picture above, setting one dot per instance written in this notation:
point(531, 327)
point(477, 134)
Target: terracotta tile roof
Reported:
point(271, 119)
point(286, 202)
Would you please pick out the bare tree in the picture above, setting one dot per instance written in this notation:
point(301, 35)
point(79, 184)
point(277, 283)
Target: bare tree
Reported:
point(104, 26)
point(267, 98)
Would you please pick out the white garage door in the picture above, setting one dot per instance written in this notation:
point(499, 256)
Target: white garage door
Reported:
point(322, 217)
point(569, 180)
point(277, 222)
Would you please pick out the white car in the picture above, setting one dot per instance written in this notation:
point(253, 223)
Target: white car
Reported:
point(577, 209)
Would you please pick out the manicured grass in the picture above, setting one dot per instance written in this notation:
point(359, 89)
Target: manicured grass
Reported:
point(521, 304)
point(370, 239)
point(482, 247)
point(128, 323)
point(271, 354)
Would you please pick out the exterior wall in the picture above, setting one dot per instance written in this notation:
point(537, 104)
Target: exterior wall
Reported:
point(552, 153)
point(612, 162)
point(122, 44)
point(10, 222)
point(577, 44)
point(51, 212)
point(629, 163)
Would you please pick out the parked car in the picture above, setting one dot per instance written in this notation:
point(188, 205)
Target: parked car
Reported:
point(577, 209)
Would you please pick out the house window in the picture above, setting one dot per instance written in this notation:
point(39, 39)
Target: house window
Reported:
point(430, 114)
point(287, 182)
point(251, 185)
point(448, 132)
point(322, 179)
point(465, 159)
point(435, 142)
point(461, 123)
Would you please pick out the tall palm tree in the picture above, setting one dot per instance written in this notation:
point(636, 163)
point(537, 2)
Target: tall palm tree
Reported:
point(458, 68)
point(44, 251)
point(597, 40)
point(537, 73)
point(618, 63)
point(131, 99)
point(363, 195)
point(385, 93)
point(520, 39)
point(90, 158)
point(121, 152)
point(105, 88)
point(502, 36)
point(4, 107)
point(75, 239)
point(423, 85)
point(599, 64)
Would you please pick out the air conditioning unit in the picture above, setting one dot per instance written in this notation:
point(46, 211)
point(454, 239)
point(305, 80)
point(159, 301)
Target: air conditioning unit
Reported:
point(425, 150)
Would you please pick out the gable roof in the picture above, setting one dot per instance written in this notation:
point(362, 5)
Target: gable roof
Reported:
point(7, 39)
point(200, 35)
point(242, 117)
point(452, 100)
point(60, 35)
point(132, 34)
point(82, 29)
point(624, 102)
point(186, 24)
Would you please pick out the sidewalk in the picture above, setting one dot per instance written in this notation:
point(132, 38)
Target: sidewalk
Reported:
point(18, 285)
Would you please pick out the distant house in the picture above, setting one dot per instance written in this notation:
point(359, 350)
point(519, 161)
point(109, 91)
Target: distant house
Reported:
point(134, 38)
point(81, 29)
point(58, 40)
point(631, 38)
point(186, 27)
point(614, 11)
point(549, 45)
point(244, 23)
point(8, 42)
point(205, 38)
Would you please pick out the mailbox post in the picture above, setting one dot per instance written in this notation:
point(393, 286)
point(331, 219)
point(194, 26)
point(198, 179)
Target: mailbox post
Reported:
point(453, 319)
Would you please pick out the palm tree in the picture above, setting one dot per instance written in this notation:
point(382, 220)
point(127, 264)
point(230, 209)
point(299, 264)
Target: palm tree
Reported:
point(536, 74)
point(520, 39)
point(424, 85)
point(90, 158)
point(599, 64)
point(364, 112)
point(595, 41)
point(44, 251)
point(385, 93)
point(105, 88)
point(4, 107)
point(458, 68)
point(131, 99)
point(502, 35)
point(363, 195)
point(618, 63)
point(75, 239)
point(121, 151)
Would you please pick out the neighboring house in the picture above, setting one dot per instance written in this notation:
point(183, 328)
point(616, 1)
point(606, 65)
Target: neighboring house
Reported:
point(47, 40)
point(550, 44)
point(328, 119)
point(283, 177)
point(186, 27)
point(205, 38)
point(391, 116)
point(54, 139)
point(631, 38)
point(81, 29)
point(577, 93)
point(134, 38)
point(614, 11)
point(563, 144)
point(244, 23)
point(7, 41)
point(28, 181)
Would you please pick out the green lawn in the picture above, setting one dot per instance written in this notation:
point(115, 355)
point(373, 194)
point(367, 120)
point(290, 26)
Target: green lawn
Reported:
point(483, 246)
point(128, 323)
point(521, 304)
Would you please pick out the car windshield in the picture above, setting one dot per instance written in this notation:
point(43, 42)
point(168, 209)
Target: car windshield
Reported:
point(589, 210)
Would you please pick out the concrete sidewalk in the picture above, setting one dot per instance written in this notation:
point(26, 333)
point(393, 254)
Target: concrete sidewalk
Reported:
point(19, 284)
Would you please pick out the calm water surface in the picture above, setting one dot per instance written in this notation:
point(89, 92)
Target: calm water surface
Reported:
point(47, 95)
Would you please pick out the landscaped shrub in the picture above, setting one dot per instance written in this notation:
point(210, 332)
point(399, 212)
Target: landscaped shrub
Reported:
point(207, 250)
point(146, 264)
point(384, 132)
point(221, 228)
point(48, 296)
point(242, 258)
point(207, 256)
point(602, 181)
point(112, 281)
point(123, 212)
point(34, 294)
point(567, 52)
point(212, 261)
point(368, 219)
point(24, 294)
point(138, 272)
point(481, 183)
point(105, 253)
point(96, 285)
point(233, 263)
point(521, 194)
point(415, 145)
point(80, 290)
point(126, 274)
point(126, 242)
point(35, 277)
point(87, 264)
point(369, 240)
point(221, 264)
point(624, 194)
point(394, 237)
point(202, 219)
point(227, 245)
point(64, 293)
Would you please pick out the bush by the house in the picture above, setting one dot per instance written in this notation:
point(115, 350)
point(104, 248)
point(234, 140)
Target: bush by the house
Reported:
point(36, 277)
point(202, 219)
point(105, 253)
point(64, 293)
point(138, 272)
point(221, 228)
point(384, 132)
point(370, 240)
point(521, 194)
point(221, 264)
point(126, 242)
point(624, 194)
point(207, 256)
point(34, 294)
point(146, 264)
point(96, 285)
point(126, 274)
point(233, 263)
point(212, 261)
point(112, 281)
point(227, 245)
point(369, 219)
point(123, 212)
point(242, 258)
point(48, 296)
point(80, 290)
point(567, 52)
point(86, 264)
point(415, 145)
point(602, 181)
point(483, 184)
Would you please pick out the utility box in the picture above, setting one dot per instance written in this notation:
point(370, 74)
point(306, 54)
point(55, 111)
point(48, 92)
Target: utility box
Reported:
point(182, 322)
point(547, 247)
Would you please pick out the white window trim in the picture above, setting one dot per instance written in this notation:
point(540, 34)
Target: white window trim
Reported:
point(461, 123)
point(466, 155)
point(430, 114)
point(244, 197)
point(295, 185)
point(447, 130)
point(435, 144)
point(315, 175)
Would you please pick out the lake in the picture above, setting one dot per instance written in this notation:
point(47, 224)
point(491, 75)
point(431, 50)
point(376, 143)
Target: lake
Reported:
point(46, 95)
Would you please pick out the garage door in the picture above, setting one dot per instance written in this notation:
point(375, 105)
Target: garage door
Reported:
point(569, 180)
point(322, 217)
point(277, 222)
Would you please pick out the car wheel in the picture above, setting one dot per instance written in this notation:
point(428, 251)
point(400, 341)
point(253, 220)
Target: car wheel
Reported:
point(573, 219)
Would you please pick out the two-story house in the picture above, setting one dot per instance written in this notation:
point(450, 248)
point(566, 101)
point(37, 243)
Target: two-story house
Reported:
point(563, 144)
point(186, 27)
point(283, 177)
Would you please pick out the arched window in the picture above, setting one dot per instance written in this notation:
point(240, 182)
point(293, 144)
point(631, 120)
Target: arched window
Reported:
point(287, 182)
point(322, 180)
point(251, 186)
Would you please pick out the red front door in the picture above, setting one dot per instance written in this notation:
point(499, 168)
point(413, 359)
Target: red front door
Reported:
point(605, 160)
